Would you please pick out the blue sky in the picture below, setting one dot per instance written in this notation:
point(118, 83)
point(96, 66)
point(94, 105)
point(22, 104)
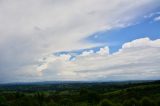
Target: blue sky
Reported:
point(117, 37)
point(79, 40)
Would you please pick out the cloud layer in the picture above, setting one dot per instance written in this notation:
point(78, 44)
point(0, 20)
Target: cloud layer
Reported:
point(31, 30)
point(138, 59)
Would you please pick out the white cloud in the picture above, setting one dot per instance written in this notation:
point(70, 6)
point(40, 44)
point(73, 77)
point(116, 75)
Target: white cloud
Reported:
point(139, 60)
point(85, 53)
point(103, 51)
point(33, 29)
point(151, 14)
point(142, 43)
point(157, 18)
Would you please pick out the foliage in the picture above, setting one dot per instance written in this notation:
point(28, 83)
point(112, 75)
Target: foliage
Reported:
point(131, 102)
point(106, 102)
point(147, 102)
point(83, 94)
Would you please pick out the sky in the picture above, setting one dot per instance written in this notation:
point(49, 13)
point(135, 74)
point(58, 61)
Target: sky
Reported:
point(79, 40)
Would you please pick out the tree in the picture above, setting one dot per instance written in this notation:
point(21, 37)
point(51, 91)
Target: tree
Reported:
point(3, 101)
point(158, 103)
point(40, 98)
point(52, 103)
point(147, 102)
point(131, 102)
point(83, 95)
point(106, 102)
point(93, 97)
point(66, 102)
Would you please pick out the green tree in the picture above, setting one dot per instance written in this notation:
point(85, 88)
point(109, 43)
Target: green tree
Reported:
point(83, 91)
point(66, 102)
point(93, 97)
point(3, 101)
point(83, 95)
point(158, 103)
point(147, 102)
point(40, 98)
point(52, 103)
point(106, 102)
point(131, 102)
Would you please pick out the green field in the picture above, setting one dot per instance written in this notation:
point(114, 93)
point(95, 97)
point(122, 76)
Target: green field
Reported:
point(129, 93)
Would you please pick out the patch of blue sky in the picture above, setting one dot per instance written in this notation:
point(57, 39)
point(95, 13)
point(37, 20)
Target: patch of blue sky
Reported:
point(117, 37)
point(74, 53)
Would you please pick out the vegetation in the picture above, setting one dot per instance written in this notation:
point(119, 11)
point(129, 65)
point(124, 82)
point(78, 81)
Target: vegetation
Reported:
point(81, 94)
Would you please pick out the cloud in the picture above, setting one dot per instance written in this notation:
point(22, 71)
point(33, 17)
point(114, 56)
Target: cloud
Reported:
point(85, 53)
point(138, 59)
point(151, 14)
point(142, 43)
point(30, 30)
point(103, 51)
point(157, 18)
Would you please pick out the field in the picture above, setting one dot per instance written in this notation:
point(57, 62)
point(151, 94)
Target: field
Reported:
point(128, 93)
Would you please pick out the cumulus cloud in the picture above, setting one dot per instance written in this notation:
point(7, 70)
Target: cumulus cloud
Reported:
point(138, 59)
point(85, 53)
point(144, 42)
point(31, 29)
point(103, 51)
